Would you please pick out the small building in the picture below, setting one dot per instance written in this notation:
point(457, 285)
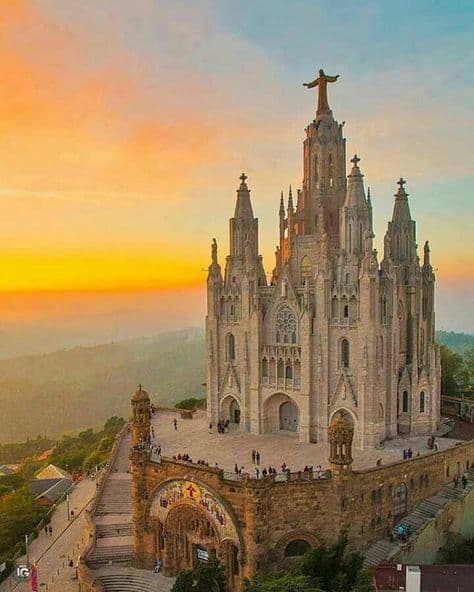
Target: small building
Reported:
point(8, 470)
point(53, 472)
point(51, 495)
point(424, 578)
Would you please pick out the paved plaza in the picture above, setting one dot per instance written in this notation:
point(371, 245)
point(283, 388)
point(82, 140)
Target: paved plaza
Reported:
point(192, 437)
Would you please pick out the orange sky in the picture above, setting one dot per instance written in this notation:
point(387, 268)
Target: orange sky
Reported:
point(123, 130)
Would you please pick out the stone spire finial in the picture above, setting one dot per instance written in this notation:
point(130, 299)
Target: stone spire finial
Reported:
point(426, 253)
point(290, 199)
point(369, 200)
point(282, 203)
point(355, 159)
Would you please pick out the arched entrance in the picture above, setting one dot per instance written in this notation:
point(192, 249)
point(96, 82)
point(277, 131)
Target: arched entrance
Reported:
point(234, 412)
point(288, 417)
point(192, 525)
point(281, 414)
point(230, 410)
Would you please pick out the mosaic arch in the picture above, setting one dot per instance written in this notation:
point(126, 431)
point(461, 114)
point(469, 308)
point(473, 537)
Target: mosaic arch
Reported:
point(174, 493)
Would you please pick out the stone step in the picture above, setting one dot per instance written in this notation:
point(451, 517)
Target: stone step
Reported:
point(121, 554)
point(114, 530)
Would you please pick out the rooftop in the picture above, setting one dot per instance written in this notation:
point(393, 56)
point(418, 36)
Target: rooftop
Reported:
point(434, 578)
point(192, 437)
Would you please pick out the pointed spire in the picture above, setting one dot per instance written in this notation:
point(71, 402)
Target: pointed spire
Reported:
point(401, 208)
point(243, 207)
point(369, 201)
point(282, 204)
point(290, 200)
point(355, 187)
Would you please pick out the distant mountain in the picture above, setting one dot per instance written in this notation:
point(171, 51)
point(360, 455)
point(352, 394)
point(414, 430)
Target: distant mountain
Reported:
point(459, 342)
point(71, 389)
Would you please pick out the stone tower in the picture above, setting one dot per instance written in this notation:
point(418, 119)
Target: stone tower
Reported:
point(141, 416)
point(333, 329)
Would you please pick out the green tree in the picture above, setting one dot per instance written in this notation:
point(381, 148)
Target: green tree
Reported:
point(206, 577)
point(332, 568)
point(459, 550)
point(454, 372)
point(280, 582)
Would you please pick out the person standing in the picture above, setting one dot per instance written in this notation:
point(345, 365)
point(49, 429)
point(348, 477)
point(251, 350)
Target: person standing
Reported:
point(175, 424)
point(257, 457)
point(253, 456)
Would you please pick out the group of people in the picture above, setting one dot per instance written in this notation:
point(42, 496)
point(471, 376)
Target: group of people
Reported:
point(401, 532)
point(222, 426)
point(186, 458)
point(432, 444)
point(408, 453)
point(457, 479)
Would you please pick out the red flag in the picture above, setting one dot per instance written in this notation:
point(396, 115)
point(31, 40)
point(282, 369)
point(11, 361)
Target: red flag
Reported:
point(34, 578)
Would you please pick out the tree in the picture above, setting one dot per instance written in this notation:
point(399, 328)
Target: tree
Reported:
point(332, 568)
point(205, 577)
point(459, 550)
point(454, 372)
point(280, 582)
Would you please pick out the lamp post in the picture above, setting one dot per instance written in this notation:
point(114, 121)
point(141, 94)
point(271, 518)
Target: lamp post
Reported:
point(27, 549)
point(67, 503)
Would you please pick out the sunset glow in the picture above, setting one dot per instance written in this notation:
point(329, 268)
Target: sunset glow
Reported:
point(124, 128)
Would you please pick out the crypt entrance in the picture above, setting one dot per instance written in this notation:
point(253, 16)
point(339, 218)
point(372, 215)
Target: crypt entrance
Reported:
point(192, 526)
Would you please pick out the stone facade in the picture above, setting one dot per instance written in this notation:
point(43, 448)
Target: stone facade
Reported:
point(334, 328)
point(185, 512)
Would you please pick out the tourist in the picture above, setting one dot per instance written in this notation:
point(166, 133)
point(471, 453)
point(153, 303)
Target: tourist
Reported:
point(50, 530)
point(257, 472)
point(410, 453)
point(464, 481)
point(456, 480)
point(253, 456)
point(236, 469)
point(283, 467)
point(257, 457)
point(71, 563)
point(405, 454)
point(158, 564)
point(175, 423)
point(210, 428)
point(436, 446)
point(264, 472)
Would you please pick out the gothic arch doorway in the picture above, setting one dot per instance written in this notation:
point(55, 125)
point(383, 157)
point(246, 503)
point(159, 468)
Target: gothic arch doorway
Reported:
point(230, 410)
point(281, 414)
point(288, 417)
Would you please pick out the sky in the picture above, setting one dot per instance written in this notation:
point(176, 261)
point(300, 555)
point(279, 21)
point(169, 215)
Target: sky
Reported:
point(124, 127)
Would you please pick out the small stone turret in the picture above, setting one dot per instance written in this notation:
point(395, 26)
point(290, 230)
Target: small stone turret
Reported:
point(341, 433)
point(141, 416)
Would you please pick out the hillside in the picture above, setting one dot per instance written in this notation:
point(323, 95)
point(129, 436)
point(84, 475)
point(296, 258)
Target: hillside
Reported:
point(458, 342)
point(71, 389)
point(68, 390)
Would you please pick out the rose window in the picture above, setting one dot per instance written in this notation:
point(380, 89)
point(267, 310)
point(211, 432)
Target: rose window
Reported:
point(286, 325)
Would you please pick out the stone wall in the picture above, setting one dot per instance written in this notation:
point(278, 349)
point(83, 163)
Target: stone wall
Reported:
point(270, 513)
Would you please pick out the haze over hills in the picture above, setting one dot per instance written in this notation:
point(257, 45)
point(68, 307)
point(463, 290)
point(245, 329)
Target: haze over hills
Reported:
point(68, 390)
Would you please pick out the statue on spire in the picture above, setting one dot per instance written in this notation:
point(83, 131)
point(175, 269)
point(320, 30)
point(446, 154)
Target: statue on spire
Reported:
point(214, 251)
point(322, 81)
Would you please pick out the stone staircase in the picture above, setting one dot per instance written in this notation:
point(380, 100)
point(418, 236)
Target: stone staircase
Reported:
point(114, 530)
point(133, 580)
point(384, 549)
point(110, 554)
point(116, 497)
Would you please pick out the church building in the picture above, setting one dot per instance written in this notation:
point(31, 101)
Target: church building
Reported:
point(334, 330)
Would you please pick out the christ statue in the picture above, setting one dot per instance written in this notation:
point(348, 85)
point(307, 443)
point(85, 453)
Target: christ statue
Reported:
point(322, 81)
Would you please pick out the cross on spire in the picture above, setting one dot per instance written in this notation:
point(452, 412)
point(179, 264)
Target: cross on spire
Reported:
point(401, 182)
point(355, 160)
point(140, 387)
point(243, 177)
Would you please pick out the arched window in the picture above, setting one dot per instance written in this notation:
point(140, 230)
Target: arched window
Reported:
point(265, 368)
point(345, 353)
point(347, 279)
point(280, 369)
point(230, 347)
point(288, 370)
point(400, 500)
point(334, 313)
point(346, 311)
point(305, 269)
point(296, 548)
point(405, 402)
point(422, 401)
point(331, 171)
